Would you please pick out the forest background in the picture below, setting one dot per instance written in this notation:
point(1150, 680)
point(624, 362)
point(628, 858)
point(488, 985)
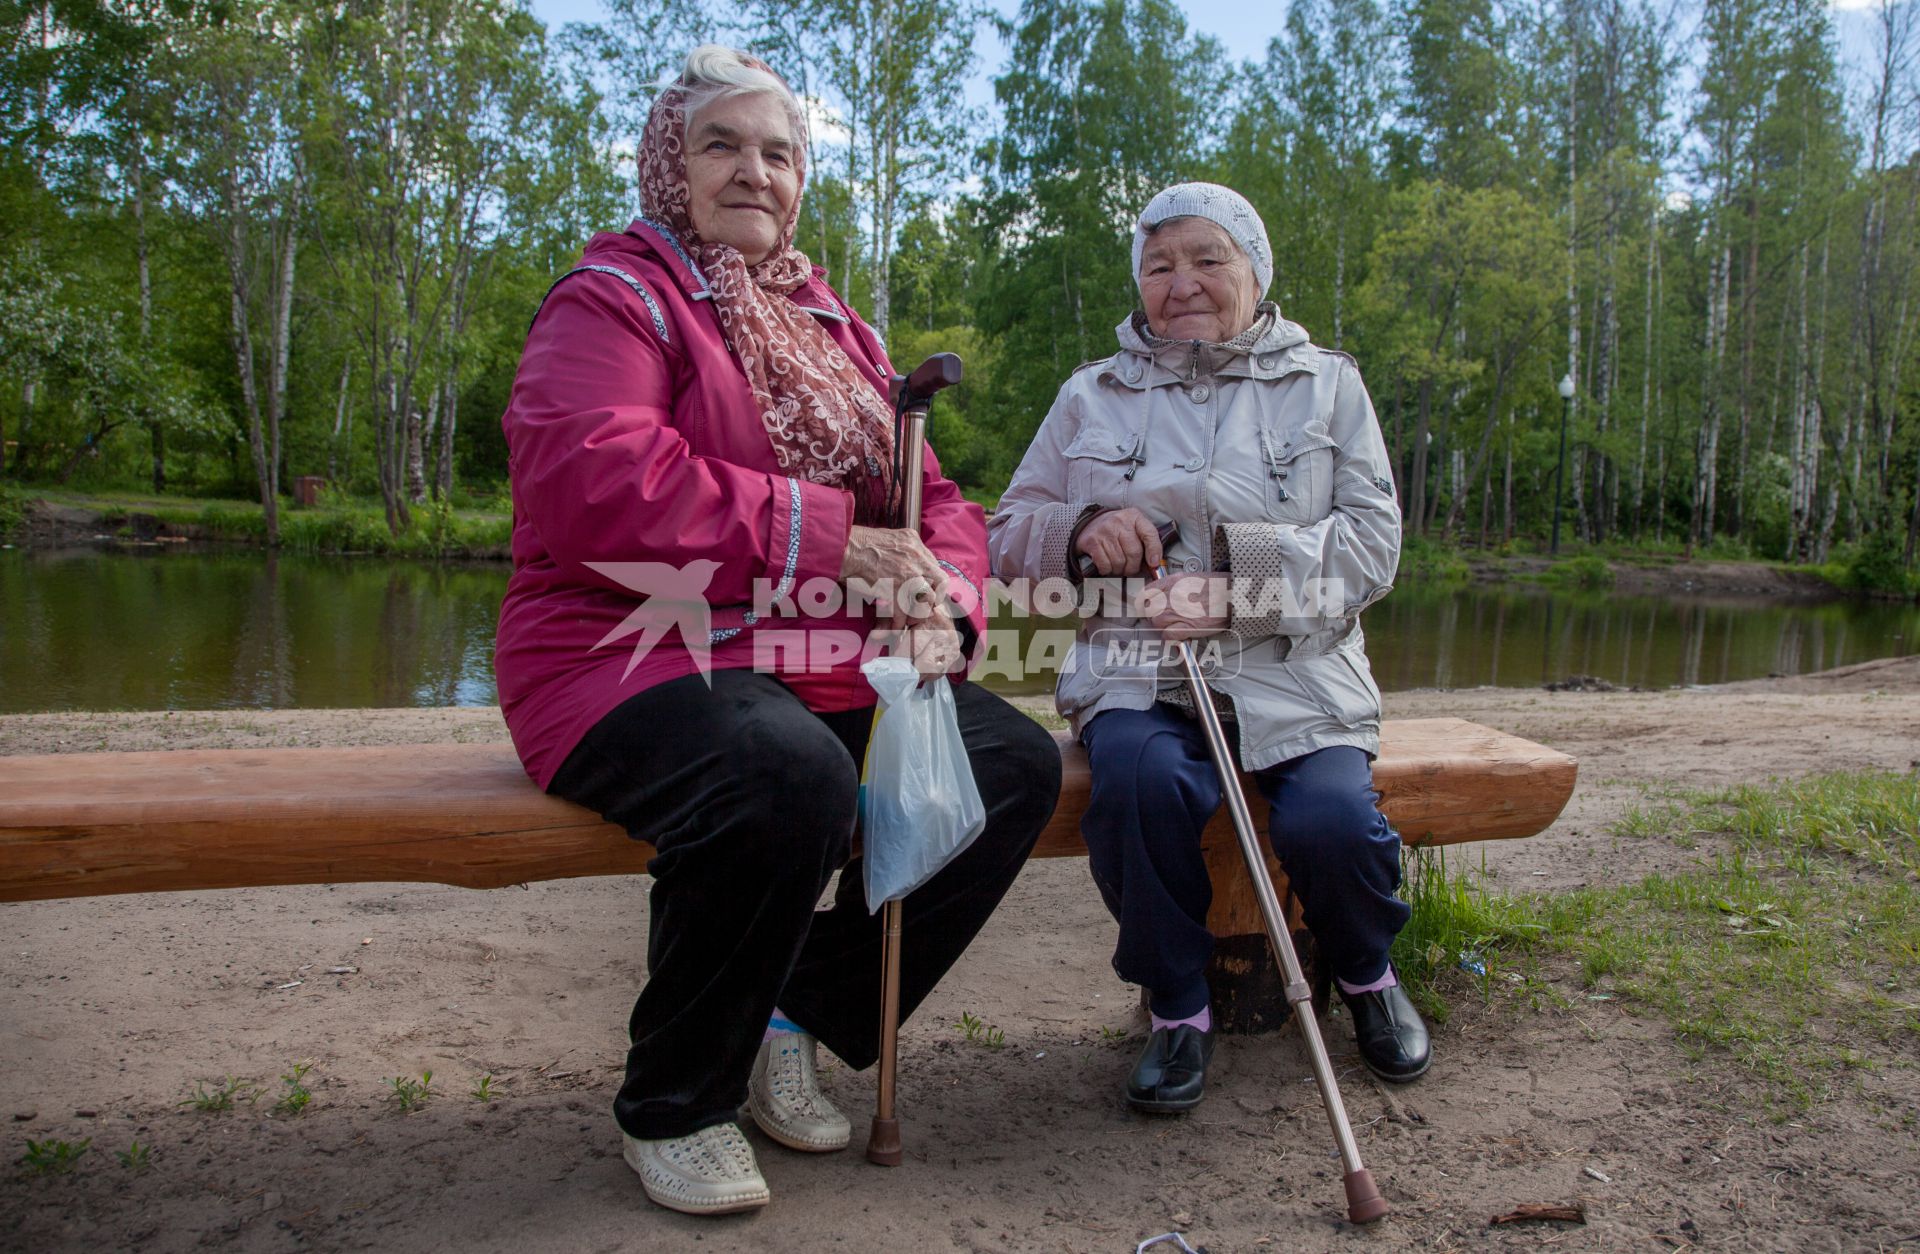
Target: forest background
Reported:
point(247, 240)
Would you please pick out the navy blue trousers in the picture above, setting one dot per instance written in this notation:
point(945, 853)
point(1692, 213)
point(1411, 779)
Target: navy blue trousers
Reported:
point(1155, 788)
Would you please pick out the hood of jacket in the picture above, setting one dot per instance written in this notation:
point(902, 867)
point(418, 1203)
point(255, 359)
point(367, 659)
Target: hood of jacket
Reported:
point(1270, 334)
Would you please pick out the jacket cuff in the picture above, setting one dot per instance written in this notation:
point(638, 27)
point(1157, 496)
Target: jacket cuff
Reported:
point(811, 524)
point(1252, 552)
point(971, 619)
point(1068, 563)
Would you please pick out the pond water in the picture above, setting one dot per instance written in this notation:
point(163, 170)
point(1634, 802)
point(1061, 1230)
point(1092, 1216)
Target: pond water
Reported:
point(164, 629)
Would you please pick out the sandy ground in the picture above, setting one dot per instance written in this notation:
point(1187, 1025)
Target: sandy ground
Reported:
point(116, 1007)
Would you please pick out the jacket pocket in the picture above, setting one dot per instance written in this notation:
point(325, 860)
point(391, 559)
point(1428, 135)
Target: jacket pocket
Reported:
point(1101, 464)
point(1299, 475)
point(1341, 685)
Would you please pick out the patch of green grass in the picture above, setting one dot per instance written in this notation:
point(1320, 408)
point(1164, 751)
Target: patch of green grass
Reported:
point(13, 511)
point(1421, 558)
point(978, 1032)
point(136, 1157)
point(483, 1091)
point(1458, 924)
point(294, 1095)
point(1793, 955)
point(51, 1157)
point(339, 524)
point(222, 1096)
point(409, 1094)
point(1588, 570)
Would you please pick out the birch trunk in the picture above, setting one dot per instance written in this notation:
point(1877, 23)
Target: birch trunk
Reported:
point(242, 340)
point(156, 434)
point(1646, 373)
point(281, 361)
point(340, 413)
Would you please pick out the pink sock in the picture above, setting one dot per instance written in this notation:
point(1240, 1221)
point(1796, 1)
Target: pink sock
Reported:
point(1387, 980)
point(779, 1025)
point(1203, 1021)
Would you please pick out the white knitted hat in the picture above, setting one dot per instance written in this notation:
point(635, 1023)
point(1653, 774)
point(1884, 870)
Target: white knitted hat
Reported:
point(1219, 205)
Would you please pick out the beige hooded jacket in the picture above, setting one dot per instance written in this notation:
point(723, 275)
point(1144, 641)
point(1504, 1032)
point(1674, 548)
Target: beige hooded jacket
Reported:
point(1267, 455)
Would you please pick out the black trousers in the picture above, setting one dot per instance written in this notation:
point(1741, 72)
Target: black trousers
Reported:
point(749, 800)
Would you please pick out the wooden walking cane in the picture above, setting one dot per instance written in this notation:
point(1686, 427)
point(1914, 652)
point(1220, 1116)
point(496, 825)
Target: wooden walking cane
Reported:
point(913, 396)
point(1364, 1203)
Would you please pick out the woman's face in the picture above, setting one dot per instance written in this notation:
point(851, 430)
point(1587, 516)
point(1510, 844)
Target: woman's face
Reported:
point(1195, 282)
point(743, 172)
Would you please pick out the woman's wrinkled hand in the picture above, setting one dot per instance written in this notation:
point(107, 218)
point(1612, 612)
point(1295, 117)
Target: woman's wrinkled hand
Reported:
point(1195, 606)
point(931, 643)
point(898, 572)
point(1122, 542)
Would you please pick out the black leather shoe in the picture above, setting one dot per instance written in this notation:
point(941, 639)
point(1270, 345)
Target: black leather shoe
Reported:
point(1393, 1040)
point(1172, 1072)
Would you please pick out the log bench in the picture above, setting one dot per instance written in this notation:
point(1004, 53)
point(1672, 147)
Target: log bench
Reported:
point(87, 824)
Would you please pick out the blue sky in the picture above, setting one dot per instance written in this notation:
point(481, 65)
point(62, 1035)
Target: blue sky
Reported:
point(1244, 29)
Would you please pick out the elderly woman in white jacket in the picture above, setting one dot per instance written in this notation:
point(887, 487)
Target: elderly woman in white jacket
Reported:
point(1220, 417)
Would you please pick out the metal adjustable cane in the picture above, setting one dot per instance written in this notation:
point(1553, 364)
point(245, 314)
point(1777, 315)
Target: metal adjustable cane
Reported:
point(1364, 1203)
point(913, 397)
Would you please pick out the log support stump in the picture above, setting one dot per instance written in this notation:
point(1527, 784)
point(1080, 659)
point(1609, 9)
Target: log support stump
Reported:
point(1249, 990)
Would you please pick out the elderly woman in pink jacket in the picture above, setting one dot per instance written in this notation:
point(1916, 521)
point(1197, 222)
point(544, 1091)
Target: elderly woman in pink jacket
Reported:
point(700, 437)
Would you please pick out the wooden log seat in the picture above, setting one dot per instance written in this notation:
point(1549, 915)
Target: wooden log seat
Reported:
point(86, 824)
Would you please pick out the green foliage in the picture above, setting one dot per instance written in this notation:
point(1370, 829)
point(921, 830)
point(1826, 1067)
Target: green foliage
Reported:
point(483, 1091)
point(294, 1095)
point(13, 511)
point(136, 1157)
point(976, 1031)
point(1105, 103)
point(179, 176)
point(1588, 570)
point(222, 1096)
point(1455, 925)
point(1421, 558)
point(53, 1158)
point(1874, 566)
point(1791, 954)
point(338, 525)
point(410, 1094)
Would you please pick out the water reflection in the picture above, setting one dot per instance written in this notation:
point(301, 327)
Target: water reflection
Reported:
point(207, 630)
point(90, 630)
point(1429, 636)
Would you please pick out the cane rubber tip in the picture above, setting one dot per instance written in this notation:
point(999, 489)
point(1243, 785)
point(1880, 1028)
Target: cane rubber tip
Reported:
point(883, 1142)
point(1364, 1203)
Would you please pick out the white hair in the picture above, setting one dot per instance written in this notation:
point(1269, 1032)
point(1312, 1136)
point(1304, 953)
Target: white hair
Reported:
point(715, 70)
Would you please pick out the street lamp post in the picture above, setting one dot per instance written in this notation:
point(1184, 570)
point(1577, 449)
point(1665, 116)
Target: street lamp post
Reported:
point(1560, 474)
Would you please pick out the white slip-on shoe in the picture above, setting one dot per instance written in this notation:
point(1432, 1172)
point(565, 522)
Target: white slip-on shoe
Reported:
point(710, 1172)
point(784, 1097)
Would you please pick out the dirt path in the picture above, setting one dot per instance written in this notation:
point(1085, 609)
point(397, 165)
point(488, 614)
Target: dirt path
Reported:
point(116, 1007)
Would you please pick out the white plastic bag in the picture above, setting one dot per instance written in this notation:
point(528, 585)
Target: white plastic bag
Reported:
point(919, 806)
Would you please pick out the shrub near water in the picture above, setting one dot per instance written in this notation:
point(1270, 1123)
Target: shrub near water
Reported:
point(339, 524)
point(13, 512)
point(1876, 566)
point(1589, 570)
point(1421, 558)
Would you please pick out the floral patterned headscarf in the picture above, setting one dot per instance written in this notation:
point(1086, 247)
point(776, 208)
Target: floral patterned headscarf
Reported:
point(827, 422)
